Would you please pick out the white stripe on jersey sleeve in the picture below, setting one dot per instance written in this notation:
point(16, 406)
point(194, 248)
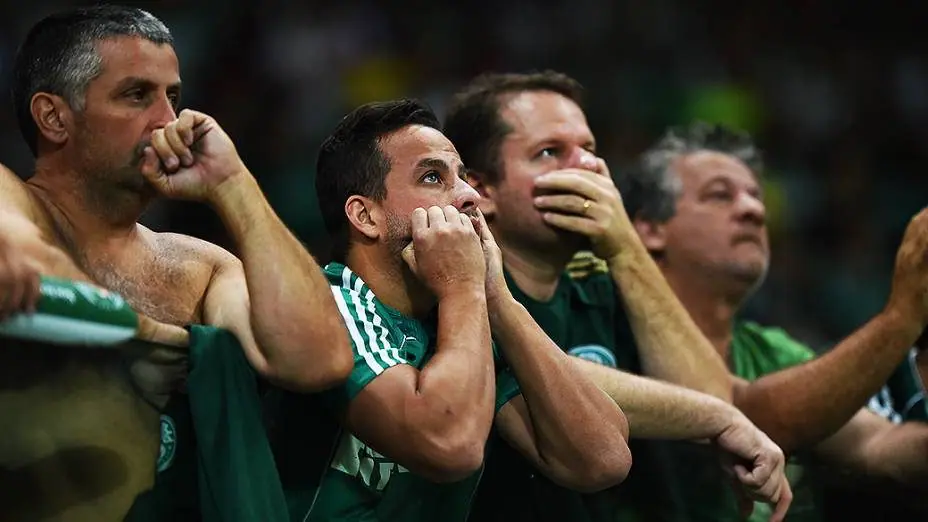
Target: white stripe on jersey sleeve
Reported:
point(356, 336)
point(393, 352)
point(369, 318)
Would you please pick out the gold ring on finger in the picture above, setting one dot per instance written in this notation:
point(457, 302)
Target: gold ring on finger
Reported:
point(586, 206)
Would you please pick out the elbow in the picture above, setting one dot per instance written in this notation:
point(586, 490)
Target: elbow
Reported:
point(609, 469)
point(452, 460)
point(338, 365)
point(337, 360)
point(309, 375)
point(315, 370)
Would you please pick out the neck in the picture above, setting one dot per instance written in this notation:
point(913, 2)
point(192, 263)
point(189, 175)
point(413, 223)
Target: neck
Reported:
point(85, 209)
point(712, 309)
point(393, 283)
point(535, 273)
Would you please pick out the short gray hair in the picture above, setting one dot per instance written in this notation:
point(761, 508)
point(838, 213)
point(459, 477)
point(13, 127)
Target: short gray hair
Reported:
point(59, 55)
point(650, 189)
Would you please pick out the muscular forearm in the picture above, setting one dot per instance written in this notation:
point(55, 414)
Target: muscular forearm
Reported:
point(658, 410)
point(670, 344)
point(576, 426)
point(456, 389)
point(802, 405)
point(292, 310)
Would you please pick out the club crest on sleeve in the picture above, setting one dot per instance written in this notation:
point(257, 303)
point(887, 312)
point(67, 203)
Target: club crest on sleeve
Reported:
point(595, 353)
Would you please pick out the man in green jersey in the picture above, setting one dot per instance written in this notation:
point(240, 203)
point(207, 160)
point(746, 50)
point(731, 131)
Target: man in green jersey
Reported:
point(546, 195)
point(96, 93)
point(418, 281)
point(698, 207)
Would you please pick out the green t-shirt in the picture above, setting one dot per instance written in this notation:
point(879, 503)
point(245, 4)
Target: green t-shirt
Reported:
point(585, 318)
point(330, 475)
point(215, 463)
point(710, 494)
point(757, 351)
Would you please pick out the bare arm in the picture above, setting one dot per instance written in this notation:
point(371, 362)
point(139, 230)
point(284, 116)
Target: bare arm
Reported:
point(872, 446)
point(279, 293)
point(800, 406)
point(566, 426)
point(671, 346)
point(290, 312)
point(435, 421)
point(658, 410)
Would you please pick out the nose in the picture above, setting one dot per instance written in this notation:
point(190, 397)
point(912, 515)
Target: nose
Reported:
point(751, 208)
point(581, 158)
point(465, 196)
point(162, 112)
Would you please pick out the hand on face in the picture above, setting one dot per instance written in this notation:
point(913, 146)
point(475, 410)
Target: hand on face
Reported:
point(909, 296)
point(446, 254)
point(190, 158)
point(496, 281)
point(588, 203)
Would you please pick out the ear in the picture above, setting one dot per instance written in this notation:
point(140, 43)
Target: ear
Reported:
point(365, 216)
point(487, 193)
point(653, 234)
point(52, 115)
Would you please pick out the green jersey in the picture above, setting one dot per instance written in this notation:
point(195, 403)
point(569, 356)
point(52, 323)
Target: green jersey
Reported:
point(586, 319)
point(331, 475)
point(215, 462)
point(755, 351)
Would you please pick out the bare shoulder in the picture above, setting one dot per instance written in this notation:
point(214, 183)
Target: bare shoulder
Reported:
point(186, 248)
point(14, 196)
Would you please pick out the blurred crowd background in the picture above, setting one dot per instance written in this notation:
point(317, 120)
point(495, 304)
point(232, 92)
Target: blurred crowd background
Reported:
point(835, 94)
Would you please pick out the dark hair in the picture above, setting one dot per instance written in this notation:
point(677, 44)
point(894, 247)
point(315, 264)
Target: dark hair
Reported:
point(351, 162)
point(650, 190)
point(59, 55)
point(474, 123)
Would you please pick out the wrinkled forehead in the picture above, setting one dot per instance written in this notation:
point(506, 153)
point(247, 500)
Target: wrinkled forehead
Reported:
point(132, 56)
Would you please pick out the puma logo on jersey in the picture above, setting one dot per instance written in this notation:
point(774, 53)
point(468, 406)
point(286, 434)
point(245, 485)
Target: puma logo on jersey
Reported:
point(407, 338)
